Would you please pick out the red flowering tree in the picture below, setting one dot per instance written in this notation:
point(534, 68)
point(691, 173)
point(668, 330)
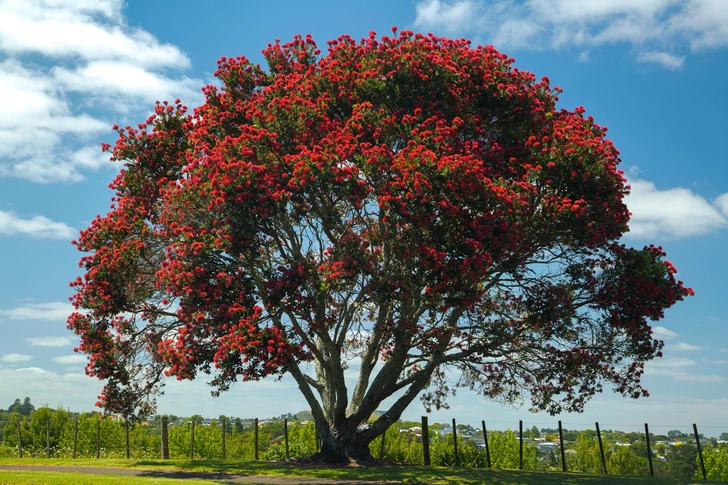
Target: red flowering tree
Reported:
point(397, 207)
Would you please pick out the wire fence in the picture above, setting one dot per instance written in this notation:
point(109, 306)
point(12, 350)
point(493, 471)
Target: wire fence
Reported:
point(57, 434)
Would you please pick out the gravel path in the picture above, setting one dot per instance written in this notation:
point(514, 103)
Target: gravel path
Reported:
point(219, 477)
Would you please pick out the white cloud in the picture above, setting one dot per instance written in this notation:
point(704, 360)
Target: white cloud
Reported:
point(33, 371)
point(12, 358)
point(673, 363)
point(682, 346)
point(670, 213)
point(701, 378)
point(661, 333)
point(54, 311)
point(715, 361)
point(35, 118)
point(86, 30)
point(649, 26)
point(722, 203)
point(91, 158)
point(82, 48)
point(452, 16)
point(665, 59)
point(122, 80)
point(676, 368)
point(50, 341)
point(706, 20)
point(37, 226)
point(70, 359)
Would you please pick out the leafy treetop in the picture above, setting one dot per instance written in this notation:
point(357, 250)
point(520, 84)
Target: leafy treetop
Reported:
point(410, 203)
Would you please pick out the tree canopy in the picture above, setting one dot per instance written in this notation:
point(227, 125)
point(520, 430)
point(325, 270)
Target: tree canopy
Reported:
point(24, 408)
point(397, 207)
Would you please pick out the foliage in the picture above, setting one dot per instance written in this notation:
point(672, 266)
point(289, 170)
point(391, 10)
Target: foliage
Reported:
point(682, 461)
point(24, 408)
point(588, 457)
point(410, 200)
point(716, 463)
point(623, 461)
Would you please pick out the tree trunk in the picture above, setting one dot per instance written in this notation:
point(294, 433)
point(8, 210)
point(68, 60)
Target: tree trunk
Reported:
point(343, 444)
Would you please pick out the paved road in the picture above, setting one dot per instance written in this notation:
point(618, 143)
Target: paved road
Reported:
point(218, 477)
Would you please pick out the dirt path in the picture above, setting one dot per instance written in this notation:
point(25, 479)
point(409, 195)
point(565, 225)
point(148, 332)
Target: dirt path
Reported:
point(219, 477)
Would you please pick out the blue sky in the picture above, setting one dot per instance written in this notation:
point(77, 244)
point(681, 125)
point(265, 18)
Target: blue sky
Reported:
point(653, 71)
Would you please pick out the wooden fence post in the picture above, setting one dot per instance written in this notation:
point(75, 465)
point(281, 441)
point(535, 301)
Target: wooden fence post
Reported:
point(561, 444)
point(487, 448)
point(20, 442)
point(165, 438)
point(700, 451)
point(223, 436)
point(455, 441)
point(520, 444)
point(75, 437)
point(126, 432)
point(98, 438)
point(256, 439)
point(649, 450)
point(48, 438)
point(285, 437)
point(192, 441)
point(425, 441)
point(601, 449)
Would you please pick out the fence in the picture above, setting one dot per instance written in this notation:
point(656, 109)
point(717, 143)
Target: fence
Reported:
point(55, 434)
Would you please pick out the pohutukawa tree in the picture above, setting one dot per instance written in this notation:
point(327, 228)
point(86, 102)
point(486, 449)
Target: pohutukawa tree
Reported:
point(397, 207)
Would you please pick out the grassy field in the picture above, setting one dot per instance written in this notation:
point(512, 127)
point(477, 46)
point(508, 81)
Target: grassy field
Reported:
point(438, 475)
point(59, 478)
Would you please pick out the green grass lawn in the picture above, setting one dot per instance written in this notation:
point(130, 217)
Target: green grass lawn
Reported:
point(60, 478)
point(439, 475)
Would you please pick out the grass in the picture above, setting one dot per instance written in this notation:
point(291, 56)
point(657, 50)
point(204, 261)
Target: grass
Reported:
point(438, 475)
point(62, 478)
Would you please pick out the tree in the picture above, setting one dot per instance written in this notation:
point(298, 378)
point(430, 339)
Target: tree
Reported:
point(624, 462)
point(716, 462)
point(411, 202)
point(674, 433)
point(24, 408)
point(723, 437)
point(682, 461)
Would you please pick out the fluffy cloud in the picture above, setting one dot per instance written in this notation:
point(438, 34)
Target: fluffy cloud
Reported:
point(70, 359)
point(722, 203)
point(87, 29)
point(682, 346)
point(37, 226)
point(676, 368)
point(50, 341)
point(54, 311)
point(650, 26)
point(13, 358)
point(115, 82)
point(661, 333)
point(671, 213)
point(665, 59)
point(55, 49)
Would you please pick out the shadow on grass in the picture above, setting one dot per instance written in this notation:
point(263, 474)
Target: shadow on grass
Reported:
point(408, 474)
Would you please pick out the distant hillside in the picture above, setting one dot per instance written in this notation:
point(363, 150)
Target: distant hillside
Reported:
point(303, 415)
